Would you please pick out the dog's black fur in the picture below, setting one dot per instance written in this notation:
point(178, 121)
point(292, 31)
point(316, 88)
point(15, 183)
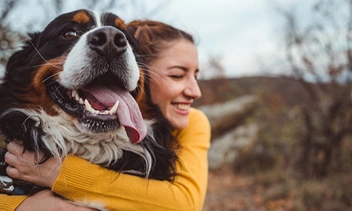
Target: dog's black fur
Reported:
point(18, 80)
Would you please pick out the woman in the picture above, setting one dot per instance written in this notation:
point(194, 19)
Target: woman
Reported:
point(172, 60)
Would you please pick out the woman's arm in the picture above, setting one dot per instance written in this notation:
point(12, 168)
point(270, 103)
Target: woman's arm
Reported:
point(80, 180)
point(44, 200)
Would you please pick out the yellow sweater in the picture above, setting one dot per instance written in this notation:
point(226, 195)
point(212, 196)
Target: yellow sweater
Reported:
point(80, 180)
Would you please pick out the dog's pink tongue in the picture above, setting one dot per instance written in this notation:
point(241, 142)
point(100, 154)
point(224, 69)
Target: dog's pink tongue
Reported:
point(128, 111)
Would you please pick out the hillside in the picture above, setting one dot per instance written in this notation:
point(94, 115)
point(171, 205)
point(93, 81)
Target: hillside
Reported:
point(264, 176)
point(221, 90)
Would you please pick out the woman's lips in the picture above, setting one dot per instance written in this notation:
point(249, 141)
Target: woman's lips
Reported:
point(182, 108)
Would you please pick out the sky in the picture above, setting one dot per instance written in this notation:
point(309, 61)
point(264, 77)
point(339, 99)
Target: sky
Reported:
point(243, 34)
point(240, 32)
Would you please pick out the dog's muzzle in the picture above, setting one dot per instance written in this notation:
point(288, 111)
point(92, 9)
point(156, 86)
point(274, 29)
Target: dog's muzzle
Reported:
point(95, 89)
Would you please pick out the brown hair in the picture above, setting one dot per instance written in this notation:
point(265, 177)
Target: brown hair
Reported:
point(154, 37)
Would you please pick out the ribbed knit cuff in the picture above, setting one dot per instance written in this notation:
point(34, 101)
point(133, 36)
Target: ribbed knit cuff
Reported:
point(10, 203)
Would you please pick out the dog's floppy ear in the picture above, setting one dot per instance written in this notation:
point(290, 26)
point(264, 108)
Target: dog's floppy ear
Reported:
point(136, 50)
point(19, 58)
point(133, 43)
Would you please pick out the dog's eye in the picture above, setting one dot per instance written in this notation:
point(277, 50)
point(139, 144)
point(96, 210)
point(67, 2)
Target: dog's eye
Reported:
point(70, 34)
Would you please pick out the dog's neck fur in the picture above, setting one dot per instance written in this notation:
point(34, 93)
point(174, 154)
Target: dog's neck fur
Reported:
point(62, 137)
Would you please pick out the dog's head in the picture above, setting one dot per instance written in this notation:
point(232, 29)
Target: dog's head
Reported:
point(81, 66)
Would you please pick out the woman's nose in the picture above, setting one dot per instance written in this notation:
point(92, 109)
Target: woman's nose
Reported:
point(192, 89)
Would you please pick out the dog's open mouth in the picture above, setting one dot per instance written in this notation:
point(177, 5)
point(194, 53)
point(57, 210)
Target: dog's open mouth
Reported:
point(101, 106)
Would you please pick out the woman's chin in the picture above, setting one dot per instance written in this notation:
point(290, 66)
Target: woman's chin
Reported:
point(179, 123)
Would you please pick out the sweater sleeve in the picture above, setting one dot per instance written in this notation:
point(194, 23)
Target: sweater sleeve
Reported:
point(10, 203)
point(82, 181)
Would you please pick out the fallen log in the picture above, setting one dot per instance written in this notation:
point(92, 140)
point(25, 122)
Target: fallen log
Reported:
point(226, 116)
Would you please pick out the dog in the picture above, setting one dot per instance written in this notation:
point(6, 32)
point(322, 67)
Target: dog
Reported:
point(77, 88)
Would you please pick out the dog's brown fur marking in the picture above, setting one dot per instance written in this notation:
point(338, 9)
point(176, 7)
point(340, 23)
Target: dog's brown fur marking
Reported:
point(36, 93)
point(120, 24)
point(81, 17)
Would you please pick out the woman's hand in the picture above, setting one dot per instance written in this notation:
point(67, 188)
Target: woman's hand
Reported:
point(23, 166)
point(45, 200)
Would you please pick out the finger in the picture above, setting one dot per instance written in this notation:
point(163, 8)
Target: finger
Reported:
point(15, 148)
point(12, 161)
point(20, 152)
point(10, 158)
point(13, 172)
point(20, 160)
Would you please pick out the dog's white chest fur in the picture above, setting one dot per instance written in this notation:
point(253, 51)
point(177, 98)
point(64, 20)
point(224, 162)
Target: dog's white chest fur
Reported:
point(62, 137)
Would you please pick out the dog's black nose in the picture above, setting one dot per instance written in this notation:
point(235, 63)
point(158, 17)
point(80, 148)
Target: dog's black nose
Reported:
point(108, 41)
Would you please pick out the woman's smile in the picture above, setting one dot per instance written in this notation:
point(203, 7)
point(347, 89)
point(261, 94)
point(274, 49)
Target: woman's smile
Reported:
point(174, 86)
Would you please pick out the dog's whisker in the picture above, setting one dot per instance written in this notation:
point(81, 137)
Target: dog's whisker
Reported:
point(41, 56)
point(35, 48)
point(54, 65)
point(141, 89)
point(152, 74)
point(51, 76)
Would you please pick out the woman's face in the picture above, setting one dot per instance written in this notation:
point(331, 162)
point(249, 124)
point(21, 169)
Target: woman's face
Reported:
point(173, 84)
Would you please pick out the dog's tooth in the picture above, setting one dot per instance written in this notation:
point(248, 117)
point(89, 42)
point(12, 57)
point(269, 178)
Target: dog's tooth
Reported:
point(88, 106)
point(77, 97)
point(81, 101)
point(114, 108)
point(73, 93)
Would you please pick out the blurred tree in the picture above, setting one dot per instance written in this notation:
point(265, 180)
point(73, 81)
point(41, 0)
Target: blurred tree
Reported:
point(213, 67)
point(8, 39)
point(318, 49)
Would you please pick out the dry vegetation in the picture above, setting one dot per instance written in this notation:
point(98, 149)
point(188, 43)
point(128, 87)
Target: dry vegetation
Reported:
point(270, 180)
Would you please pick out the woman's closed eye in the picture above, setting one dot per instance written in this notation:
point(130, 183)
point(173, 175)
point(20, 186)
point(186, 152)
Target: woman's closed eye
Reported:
point(176, 76)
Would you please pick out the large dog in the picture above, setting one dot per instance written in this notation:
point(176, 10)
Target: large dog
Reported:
point(71, 89)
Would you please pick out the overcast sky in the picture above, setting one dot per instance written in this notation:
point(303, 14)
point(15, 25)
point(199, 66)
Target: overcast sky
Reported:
point(240, 31)
point(244, 33)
